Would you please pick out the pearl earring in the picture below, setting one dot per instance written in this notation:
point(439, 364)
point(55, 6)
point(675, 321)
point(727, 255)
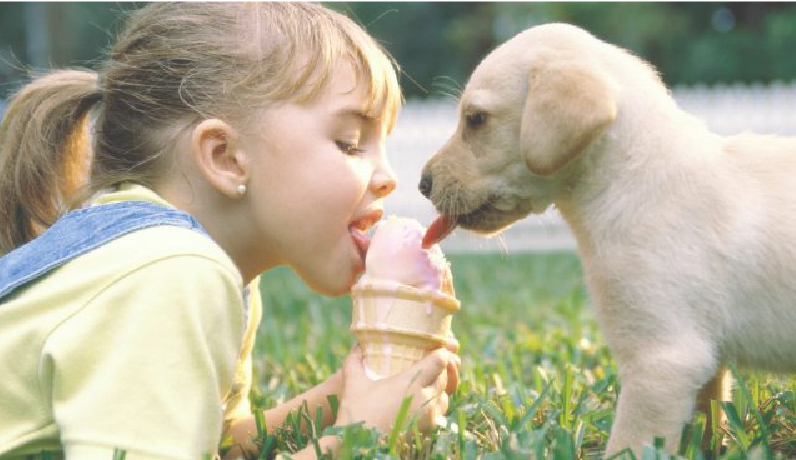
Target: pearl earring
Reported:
point(242, 189)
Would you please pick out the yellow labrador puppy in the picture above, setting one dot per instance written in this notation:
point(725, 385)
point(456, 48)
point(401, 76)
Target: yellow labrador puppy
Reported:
point(687, 238)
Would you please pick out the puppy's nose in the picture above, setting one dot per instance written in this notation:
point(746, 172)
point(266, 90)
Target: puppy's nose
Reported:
point(425, 184)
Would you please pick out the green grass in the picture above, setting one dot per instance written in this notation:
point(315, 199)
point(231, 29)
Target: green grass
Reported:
point(536, 379)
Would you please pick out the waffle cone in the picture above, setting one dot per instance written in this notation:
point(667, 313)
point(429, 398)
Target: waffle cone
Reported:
point(397, 325)
point(388, 353)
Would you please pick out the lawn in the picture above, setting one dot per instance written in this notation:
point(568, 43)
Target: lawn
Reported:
point(537, 379)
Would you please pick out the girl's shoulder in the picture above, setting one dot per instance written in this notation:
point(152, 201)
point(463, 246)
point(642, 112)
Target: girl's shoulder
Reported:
point(145, 229)
point(154, 245)
point(174, 258)
point(165, 274)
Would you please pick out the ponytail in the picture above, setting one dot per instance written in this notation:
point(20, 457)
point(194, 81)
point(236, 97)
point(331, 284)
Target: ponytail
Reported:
point(44, 147)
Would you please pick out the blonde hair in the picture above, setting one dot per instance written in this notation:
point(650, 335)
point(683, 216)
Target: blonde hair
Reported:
point(172, 66)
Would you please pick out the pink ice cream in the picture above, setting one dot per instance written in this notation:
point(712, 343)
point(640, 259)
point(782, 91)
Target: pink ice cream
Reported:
point(403, 303)
point(395, 254)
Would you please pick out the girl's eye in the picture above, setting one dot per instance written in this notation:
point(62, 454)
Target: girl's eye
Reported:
point(348, 148)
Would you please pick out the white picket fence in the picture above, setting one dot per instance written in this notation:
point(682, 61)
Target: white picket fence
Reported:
point(424, 126)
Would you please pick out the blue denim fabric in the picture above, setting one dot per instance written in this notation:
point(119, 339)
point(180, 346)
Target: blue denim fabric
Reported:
point(81, 231)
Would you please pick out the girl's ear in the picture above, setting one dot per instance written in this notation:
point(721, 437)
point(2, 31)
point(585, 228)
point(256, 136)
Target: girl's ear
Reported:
point(221, 161)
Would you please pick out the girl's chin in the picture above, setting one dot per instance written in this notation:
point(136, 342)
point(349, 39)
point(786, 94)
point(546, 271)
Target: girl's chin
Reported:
point(338, 274)
point(335, 283)
point(334, 289)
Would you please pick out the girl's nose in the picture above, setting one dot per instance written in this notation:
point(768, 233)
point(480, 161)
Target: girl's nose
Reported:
point(383, 182)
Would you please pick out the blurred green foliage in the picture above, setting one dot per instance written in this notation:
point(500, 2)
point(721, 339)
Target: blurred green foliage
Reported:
point(438, 44)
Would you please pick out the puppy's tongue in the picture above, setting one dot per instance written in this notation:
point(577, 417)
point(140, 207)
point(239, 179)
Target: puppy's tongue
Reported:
point(438, 230)
point(361, 240)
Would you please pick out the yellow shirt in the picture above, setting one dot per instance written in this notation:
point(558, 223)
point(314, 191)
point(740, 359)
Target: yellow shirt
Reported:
point(139, 345)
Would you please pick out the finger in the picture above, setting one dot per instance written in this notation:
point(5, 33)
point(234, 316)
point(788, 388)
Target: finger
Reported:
point(426, 371)
point(453, 376)
point(424, 404)
point(355, 354)
point(435, 407)
point(442, 409)
point(353, 364)
point(442, 381)
point(442, 405)
point(452, 345)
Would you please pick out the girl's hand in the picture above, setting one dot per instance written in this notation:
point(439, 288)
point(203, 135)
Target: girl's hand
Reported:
point(376, 403)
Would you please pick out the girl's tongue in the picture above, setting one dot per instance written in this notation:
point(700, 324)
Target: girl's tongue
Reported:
point(361, 241)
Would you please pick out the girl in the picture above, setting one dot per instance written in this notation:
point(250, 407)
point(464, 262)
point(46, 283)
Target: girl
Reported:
point(228, 139)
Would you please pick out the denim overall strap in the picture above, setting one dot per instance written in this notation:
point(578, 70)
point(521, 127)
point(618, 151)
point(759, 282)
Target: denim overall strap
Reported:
point(81, 231)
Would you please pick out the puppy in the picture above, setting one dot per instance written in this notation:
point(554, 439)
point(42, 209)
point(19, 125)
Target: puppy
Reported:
point(687, 239)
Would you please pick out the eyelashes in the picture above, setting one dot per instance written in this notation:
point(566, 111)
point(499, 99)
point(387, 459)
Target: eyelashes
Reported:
point(349, 148)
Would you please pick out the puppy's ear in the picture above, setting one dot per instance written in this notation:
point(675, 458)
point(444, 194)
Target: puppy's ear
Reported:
point(569, 104)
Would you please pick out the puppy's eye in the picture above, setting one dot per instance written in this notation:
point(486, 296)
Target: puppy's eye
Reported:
point(475, 120)
point(349, 148)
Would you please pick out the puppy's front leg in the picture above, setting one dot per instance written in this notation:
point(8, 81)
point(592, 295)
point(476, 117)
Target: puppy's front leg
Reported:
point(659, 389)
point(644, 413)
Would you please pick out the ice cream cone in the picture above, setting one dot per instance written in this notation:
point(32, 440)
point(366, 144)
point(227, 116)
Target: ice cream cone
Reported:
point(397, 325)
point(388, 353)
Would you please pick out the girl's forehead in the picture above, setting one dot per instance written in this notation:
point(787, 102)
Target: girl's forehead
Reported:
point(345, 81)
point(368, 80)
point(350, 91)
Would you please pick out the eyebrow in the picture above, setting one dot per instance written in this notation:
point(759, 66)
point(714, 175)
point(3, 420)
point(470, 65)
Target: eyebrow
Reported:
point(354, 112)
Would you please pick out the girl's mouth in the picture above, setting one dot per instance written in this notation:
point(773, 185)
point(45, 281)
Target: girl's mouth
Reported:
point(358, 228)
point(361, 241)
